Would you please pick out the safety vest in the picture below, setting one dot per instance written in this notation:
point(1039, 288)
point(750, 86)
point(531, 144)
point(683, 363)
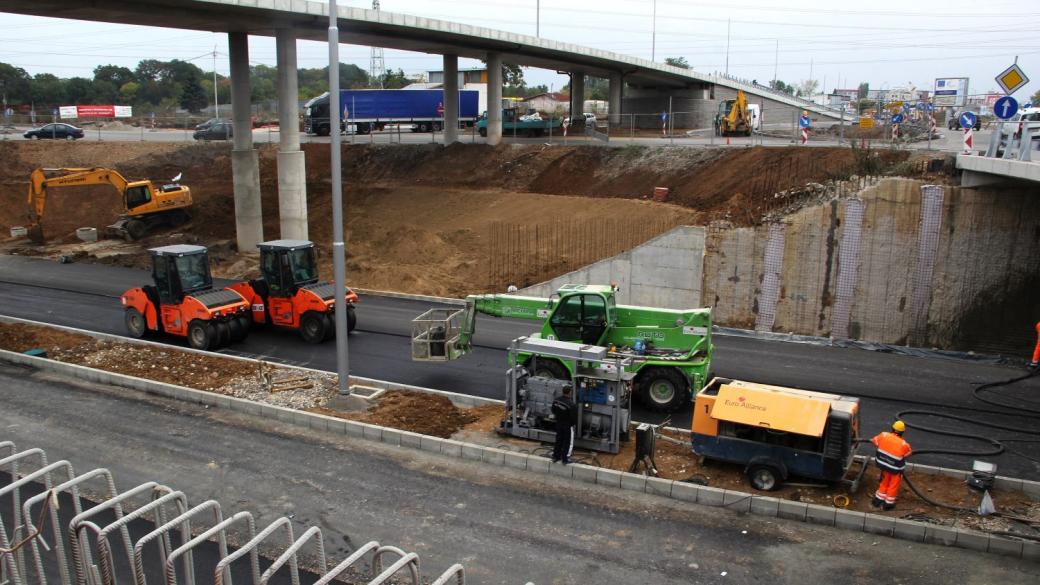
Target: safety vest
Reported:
point(892, 451)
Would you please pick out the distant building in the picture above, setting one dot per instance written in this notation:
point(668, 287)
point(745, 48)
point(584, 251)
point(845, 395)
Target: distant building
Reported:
point(474, 75)
point(548, 102)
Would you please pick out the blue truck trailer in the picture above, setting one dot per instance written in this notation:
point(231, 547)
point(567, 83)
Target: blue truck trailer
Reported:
point(368, 109)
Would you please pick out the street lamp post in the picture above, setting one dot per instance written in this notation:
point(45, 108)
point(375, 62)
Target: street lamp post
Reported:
point(339, 259)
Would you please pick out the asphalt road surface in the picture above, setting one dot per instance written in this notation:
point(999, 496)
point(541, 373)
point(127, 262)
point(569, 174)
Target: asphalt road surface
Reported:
point(86, 296)
point(951, 140)
point(505, 527)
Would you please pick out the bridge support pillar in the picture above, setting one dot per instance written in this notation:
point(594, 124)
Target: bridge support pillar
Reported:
point(614, 103)
point(451, 99)
point(292, 173)
point(494, 99)
point(577, 94)
point(245, 165)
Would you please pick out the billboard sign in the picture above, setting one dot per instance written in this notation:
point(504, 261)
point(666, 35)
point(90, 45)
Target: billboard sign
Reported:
point(92, 111)
point(951, 91)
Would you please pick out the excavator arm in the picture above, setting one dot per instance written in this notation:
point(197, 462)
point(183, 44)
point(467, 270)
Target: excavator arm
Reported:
point(738, 115)
point(39, 183)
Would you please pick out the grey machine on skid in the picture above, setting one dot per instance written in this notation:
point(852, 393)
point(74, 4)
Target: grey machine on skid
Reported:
point(602, 390)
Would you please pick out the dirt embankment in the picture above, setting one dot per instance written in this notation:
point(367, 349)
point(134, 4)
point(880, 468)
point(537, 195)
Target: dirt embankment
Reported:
point(419, 217)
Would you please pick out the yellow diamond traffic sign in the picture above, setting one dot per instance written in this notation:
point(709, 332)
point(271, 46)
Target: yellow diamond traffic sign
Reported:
point(1012, 79)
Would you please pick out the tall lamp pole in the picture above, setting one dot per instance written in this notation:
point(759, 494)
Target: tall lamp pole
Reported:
point(339, 258)
point(653, 34)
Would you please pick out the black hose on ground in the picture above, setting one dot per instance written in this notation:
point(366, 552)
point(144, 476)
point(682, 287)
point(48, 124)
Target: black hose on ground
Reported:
point(997, 445)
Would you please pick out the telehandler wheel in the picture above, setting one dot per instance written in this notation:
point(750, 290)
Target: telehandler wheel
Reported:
point(351, 318)
point(200, 335)
point(312, 327)
point(549, 368)
point(136, 324)
point(662, 389)
point(223, 336)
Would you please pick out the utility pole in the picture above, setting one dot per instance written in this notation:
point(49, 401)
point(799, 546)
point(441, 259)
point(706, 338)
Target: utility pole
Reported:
point(216, 99)
point(810, 75)
point(727, 45)
point(538, 18)
point(339, 257)
point(653, 34)
point(776, 61)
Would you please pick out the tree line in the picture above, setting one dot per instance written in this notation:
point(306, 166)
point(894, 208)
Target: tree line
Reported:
point(166, 86)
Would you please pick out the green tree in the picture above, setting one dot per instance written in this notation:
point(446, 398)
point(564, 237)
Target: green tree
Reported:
point(395, 79)
point(47, 90)
point(114, 74)
point(193, 96)
point(863, 90)
point(80, 90)
point(15, 82)
point(128, 92)
point(679, 62)
point(781, 86)
point(1035, 100)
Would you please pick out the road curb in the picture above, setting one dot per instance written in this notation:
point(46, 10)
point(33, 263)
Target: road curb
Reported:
point(740, 502)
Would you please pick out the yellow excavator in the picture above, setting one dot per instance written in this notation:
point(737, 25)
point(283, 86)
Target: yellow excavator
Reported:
point(734, 117)
point(145, 204)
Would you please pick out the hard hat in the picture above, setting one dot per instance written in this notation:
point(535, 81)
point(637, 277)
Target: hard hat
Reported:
point(899, 426)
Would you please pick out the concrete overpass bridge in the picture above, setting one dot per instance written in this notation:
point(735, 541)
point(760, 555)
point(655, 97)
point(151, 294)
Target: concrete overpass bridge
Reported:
point(636, 85)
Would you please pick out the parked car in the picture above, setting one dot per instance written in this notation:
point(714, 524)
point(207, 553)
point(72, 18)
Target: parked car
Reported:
point(217, 131)
point(208, 123)
point(55, 130)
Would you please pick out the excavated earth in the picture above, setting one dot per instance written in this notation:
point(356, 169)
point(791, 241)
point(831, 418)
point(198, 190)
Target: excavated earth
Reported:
point(420, 217)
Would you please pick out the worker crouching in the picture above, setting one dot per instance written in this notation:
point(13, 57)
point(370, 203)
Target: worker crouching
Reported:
point(892, 451)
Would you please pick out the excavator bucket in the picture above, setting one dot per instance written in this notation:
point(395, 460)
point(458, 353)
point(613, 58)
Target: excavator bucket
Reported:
point(35, 233)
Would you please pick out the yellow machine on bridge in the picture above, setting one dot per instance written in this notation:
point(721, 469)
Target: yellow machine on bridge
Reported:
point(145, 204)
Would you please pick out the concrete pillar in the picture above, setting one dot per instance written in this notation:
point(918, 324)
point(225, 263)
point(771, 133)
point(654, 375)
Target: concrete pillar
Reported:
point(292, 174)
point(451, 99)
point(245, 166)
point(577, 94)
point(494, 99)
point(614, 104)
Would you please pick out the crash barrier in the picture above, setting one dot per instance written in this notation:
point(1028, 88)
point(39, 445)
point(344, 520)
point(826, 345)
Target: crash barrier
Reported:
point(89, 549)
point(742, 502)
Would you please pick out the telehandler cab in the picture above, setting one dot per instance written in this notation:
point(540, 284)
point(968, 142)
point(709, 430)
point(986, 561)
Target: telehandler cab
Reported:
point(289, 294)
point(182, 301)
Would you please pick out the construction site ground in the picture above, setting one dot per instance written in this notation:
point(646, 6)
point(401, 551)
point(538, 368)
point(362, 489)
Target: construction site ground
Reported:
point(435, 415)
point(420, 217)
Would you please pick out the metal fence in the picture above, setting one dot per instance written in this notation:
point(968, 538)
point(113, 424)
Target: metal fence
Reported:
point(98, 547)
point(525, 254)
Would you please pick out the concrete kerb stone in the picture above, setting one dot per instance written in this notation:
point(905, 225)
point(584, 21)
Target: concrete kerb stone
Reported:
point(765, 506)
point(559, 470)
point(705, 495)
point(792, 510)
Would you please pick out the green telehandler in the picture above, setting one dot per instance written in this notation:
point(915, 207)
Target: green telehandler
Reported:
point(673, 348)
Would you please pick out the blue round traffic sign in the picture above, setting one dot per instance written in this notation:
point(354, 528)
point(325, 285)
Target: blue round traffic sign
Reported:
point(929, 106)
point(804, 121)
point(897, 119)
point(1005, 107)
point(967, 120)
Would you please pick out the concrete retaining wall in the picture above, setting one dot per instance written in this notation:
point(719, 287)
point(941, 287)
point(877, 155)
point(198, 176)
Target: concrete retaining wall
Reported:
point(663, 272)
point(676, 490)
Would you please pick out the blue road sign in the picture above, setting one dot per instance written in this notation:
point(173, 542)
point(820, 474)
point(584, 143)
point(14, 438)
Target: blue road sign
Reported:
point(1005, 107)
point(967, 120)
point(921, 105)
point(906, 107)
point(897, 119)
point(929, 107)
point(804, 121)
point(1027, 105)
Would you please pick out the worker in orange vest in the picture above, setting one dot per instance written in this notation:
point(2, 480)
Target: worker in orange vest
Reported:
point(892, 451)
point(1036, 352)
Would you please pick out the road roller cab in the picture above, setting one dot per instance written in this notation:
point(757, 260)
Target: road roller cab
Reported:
point(290, 294)
point(182, 301)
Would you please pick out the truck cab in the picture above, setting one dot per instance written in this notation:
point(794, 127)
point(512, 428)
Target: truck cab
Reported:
point(182, 301)
point(289, 292)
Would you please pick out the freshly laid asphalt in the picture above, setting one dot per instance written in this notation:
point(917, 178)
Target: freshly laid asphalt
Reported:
point(86, 296)
point(504, 526)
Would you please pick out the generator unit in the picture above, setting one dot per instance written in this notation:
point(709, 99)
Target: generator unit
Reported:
point(602, 390)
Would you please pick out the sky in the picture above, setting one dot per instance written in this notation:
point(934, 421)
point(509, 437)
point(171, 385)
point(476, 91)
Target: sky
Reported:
point(884, 43)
